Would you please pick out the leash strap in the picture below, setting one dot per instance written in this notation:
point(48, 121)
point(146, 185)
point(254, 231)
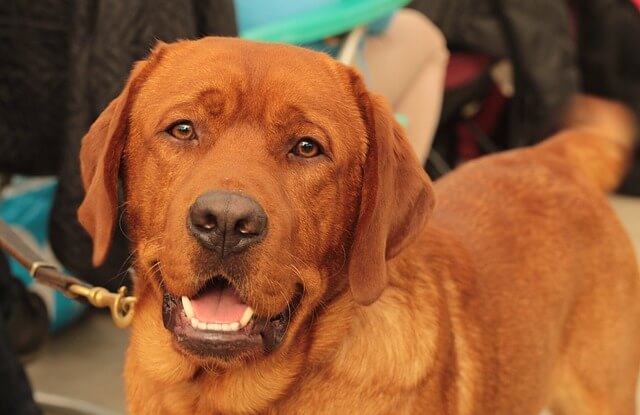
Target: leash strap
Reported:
point(121, 305)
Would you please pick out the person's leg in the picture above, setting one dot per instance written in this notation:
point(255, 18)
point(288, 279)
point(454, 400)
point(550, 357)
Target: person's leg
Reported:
point(407, 64)
point(15, 393)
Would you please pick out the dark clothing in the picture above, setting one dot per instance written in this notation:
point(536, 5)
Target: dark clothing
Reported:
point(609, 38)
point(535, 36)
point(557, 48)
point(608, 42)
point(15, 392)
point(33, 84)
point(61, 63)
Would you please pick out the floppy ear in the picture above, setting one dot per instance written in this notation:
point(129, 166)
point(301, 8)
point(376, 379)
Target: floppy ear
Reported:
point(396, 198)
point(100, 155)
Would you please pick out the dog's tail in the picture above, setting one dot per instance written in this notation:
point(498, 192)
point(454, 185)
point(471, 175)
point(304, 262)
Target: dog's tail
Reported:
point(598, 142)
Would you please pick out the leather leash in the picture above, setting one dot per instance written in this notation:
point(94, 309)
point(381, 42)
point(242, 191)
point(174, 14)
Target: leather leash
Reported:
point(121, 305)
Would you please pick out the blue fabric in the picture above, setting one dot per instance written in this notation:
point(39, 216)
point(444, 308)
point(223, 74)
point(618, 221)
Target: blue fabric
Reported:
point(27, 212)
point(252, 13)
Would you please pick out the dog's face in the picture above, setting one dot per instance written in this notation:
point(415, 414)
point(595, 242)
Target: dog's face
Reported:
point(262, 182)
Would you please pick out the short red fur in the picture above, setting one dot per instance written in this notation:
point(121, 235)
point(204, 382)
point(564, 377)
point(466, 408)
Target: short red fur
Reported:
point(518, 290)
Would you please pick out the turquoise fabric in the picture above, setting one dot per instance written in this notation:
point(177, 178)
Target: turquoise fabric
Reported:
point(307, 21)
point(26, 208)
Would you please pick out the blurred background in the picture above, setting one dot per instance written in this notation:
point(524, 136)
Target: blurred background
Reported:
point(465, 77)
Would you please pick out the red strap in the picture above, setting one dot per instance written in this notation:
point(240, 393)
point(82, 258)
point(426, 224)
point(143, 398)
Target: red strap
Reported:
point(637, 4)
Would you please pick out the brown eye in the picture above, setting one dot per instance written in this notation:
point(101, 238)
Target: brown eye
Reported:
point(183, 131)
point(307, 148)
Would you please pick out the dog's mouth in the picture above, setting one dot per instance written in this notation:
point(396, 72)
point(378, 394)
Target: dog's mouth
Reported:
point(217, 323)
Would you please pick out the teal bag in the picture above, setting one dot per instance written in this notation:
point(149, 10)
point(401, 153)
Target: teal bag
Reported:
point(309, 21)
point(25, 205)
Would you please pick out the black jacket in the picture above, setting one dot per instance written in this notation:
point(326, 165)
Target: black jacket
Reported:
point(534, 35)
point(557, 48)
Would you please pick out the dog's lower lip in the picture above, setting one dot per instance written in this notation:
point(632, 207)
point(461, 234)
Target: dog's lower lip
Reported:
point(260, 333)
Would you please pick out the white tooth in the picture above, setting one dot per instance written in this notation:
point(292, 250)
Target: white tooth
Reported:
point(248, 313)
point(194, 322)
point(202, 325)
point(234, 326)
point(225, 327)
point(213, 326)
point(188, 308)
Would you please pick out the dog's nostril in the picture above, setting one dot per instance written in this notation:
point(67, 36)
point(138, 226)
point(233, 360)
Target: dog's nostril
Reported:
point(246, 228)
point(241, 227)
point(209, 222)
point(204, 221)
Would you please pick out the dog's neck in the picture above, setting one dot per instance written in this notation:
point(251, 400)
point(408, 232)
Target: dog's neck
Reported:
point(281, 381)
point(424, 325)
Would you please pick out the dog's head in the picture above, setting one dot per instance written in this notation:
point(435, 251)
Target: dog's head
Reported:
point(261, 183)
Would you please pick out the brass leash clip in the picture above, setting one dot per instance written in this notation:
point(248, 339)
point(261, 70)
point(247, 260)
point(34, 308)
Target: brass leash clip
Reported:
point(121, 305)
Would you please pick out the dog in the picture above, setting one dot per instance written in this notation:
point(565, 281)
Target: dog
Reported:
point(292, 256)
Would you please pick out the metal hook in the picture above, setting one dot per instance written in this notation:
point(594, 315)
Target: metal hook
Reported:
point(122, 306)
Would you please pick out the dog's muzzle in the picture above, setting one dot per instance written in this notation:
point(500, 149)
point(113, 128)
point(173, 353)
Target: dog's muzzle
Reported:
point(217, 323)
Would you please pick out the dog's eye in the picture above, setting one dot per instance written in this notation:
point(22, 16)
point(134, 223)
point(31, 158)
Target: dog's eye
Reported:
point(307, 147)
point(182, 131)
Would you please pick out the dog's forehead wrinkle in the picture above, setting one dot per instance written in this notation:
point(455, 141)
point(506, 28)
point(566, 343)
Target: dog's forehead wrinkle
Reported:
point(261, 84)
point(213, 98)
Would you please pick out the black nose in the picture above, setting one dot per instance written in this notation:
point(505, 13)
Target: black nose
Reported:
point(226, 222)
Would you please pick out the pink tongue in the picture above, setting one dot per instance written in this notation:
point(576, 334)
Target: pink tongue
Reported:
point(219, 305)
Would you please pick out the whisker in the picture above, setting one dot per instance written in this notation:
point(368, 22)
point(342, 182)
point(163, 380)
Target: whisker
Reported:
point(122, 208)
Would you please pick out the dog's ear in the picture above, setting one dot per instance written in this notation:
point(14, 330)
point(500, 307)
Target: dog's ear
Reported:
point(396, 198)
point(100, 155)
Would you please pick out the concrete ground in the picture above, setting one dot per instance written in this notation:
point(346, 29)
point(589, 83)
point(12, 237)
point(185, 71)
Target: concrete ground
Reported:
point(85, 362)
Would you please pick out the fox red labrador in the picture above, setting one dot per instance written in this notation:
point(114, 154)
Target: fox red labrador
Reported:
point(293, 257)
